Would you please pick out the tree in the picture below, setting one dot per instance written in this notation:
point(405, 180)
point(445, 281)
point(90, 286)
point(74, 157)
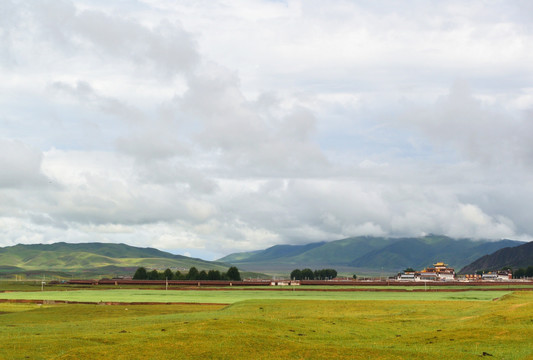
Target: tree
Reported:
point(192, 274)
point(308, 274)
point(519, 273)
point(409, 269)
point(168, 274)
point(140, 274)
point(529, 272)
point(178, 275)
point(296, 274)
point(233, 274)
point(325, 274)
point(354, 277)
point(202, 275)
point(153, 275)
point(213, 275)
point(330, 274)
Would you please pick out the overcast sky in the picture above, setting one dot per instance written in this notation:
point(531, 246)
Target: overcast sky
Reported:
point(208, 127)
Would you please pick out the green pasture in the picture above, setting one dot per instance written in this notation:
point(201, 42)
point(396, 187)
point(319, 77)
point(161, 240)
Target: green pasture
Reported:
point(273, 329)
point(421, 287)
point(28, 285)
point(233, 296)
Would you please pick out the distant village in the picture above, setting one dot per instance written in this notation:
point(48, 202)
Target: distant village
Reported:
point(441, 272)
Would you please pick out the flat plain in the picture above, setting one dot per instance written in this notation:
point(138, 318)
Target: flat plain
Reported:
point(233, 296)
point(269, 325)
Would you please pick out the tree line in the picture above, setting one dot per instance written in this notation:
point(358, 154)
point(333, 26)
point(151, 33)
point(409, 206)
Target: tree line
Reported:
point(308, 274)
point(193, 274)
point(523, 273)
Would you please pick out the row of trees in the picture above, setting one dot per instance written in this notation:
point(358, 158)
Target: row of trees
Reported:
point(193, 274)
point(523, 273)
point(308, 274)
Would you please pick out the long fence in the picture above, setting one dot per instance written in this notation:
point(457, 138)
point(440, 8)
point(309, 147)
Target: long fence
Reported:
point(223, 283)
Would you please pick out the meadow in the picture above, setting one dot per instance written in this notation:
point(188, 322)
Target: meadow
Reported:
point(233, 296)
point(270, 325)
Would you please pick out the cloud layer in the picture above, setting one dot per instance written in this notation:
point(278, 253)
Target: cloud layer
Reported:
point(211, 127)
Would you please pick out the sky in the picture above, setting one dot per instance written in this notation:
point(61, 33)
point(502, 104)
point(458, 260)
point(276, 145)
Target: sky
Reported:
point(207, 127)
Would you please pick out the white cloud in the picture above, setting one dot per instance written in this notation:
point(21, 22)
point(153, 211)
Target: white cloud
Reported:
point(471, 220)
point(213, 127)
point(479, 131)
point(20, 165)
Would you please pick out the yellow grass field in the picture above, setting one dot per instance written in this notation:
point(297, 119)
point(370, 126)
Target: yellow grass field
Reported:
point(273, 329)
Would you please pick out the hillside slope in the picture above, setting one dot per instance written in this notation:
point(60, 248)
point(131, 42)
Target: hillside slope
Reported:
point(370, 253)
point(93, 258)
point(513, 257)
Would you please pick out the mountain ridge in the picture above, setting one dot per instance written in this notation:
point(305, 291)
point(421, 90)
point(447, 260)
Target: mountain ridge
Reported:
point(93, 258)
point(372, 253)
point(514, 257)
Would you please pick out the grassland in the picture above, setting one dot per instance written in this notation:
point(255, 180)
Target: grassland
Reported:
point(233, 296)
point(34, 285)
point(272, 325)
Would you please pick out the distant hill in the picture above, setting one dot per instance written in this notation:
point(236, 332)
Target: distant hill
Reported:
point(513, 257)
point(370, 253)
point(273, 252)
point(93, 259)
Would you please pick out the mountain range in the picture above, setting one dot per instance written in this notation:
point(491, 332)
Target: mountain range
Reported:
point(369, 254)
point(363, 255)
point(513, 257)
point(93, 259)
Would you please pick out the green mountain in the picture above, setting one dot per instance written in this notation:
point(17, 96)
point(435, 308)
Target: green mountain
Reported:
point(513, 257)
point(93, 259)
point(369, 254)
point(271, 253)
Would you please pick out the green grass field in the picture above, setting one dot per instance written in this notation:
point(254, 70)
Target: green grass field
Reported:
point(233, 296)
point(271, 325)
point(33, 285)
